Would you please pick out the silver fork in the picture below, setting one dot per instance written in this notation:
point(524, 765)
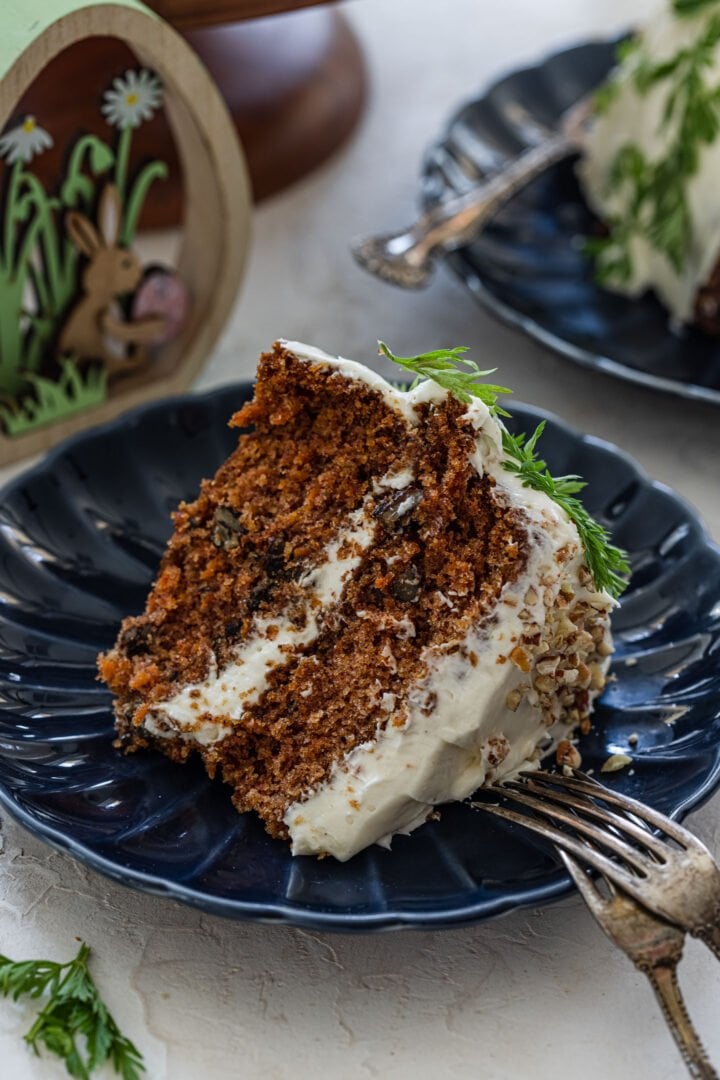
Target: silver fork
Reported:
point(673, 875)
point(655, 948)
point(406, 257)
point(632, 919)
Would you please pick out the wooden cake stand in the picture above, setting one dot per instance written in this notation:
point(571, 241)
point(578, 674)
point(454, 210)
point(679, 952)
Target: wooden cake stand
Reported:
point(294, 84)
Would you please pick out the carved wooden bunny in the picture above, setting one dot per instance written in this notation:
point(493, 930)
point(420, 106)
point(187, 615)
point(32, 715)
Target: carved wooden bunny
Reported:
point(95, 328)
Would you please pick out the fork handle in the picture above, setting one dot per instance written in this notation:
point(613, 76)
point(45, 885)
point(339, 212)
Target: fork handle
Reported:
point(710, 936)
point(665, 984)
point(456, 220)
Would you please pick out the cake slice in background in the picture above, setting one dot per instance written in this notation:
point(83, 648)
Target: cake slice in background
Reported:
point(365, 613)
point(651, 166)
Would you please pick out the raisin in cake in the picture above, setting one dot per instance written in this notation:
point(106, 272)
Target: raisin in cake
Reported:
point(363, 614)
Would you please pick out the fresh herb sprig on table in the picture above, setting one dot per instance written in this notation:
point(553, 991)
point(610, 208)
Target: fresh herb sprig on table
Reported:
point(607, 564)
point(656, 203)
point(74, 1023)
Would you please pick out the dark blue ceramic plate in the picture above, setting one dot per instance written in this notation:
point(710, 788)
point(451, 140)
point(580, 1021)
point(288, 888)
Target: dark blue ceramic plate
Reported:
point(80, 538)
point(528, 266)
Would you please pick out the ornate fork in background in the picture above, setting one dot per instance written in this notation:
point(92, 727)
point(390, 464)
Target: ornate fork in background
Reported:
point(657, 890)
point(406, 258)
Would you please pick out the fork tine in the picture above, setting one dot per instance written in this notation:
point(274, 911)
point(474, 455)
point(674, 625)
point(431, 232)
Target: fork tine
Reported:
point(589, 891)
point(608, 840)
point(586, 886)
point(586, 806)
point(579, 848)
point(587, 785)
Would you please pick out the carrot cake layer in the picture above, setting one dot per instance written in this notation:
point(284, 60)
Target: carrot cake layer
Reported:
point(363, 614)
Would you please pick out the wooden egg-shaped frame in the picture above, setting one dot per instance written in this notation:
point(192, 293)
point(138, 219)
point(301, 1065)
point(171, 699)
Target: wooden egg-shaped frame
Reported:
point(215, 233)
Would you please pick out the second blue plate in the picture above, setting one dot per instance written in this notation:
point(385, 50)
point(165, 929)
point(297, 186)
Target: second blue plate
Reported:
point(528, 266)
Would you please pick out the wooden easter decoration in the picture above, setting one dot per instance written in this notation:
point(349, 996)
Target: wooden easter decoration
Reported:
point(110, 340)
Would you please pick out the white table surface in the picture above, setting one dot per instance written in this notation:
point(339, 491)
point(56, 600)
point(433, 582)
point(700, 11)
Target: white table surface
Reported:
point(538, 994)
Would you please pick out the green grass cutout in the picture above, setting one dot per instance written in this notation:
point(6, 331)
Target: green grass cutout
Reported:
point(52, 400)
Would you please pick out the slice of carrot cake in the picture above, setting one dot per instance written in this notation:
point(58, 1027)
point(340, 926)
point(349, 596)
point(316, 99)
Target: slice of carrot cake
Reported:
point(651, 161)
point(381, 601)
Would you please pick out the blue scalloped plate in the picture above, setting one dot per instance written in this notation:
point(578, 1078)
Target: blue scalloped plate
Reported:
point(528, 267)
point(80, 538)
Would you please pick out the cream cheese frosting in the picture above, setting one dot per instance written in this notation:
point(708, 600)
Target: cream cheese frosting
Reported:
point(632, 118)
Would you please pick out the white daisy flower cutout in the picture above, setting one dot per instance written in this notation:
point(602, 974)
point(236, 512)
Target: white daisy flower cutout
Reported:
point(132, 99)
point(22, 143)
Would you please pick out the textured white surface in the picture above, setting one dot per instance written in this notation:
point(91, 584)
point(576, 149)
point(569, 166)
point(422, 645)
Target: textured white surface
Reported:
point(534, 996)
